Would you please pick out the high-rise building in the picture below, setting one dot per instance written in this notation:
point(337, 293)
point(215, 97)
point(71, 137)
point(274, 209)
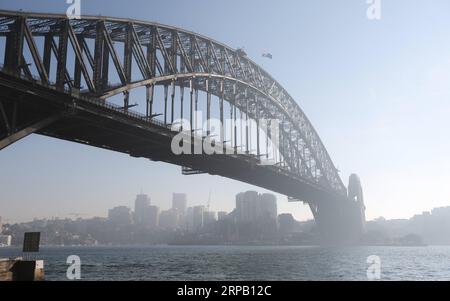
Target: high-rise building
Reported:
point(209, 217)
point(120, 215)
point(268, 205)
point(247, 206)
point(179, 202)
point(151, 217)
point(256, 215)
point(251, 206)
point(1, 225)
point(141, 205)
point(168, 220)
point(189, 219)
point(222, 215)
point(286, 223)
point(197, 217)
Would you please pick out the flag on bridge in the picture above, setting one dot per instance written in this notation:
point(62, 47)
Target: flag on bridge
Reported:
point(267, 55)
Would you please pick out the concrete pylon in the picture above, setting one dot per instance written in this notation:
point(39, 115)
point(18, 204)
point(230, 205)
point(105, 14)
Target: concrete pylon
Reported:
point(341, 221)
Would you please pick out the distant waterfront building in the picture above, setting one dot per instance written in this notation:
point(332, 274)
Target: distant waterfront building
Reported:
point(151, 217)
point(251, 206)
point(141, 205)
point(179, 202)
point(120, 215)
point(256, 214)
point(222, 215)
point(189, 219)
point(268, 205)
point(286, 223)
point(1, 225)
point(209, 217)
point(5, 240)
point(246, 206)
point(441, 212)
point(197, 217)
point(168, 220)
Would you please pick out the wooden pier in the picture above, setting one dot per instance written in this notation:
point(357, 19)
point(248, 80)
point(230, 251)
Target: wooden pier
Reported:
point(21, 270)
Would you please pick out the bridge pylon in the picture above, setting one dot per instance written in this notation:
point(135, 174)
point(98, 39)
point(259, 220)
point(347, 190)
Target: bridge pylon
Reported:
point(341, 221)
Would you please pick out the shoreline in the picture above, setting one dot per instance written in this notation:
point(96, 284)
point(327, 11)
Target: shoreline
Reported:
point(227, 245)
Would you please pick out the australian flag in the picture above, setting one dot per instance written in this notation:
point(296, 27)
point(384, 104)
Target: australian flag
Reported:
point(267, 55)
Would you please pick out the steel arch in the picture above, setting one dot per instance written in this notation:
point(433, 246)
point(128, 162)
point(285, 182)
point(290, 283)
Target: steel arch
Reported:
point(165, 55)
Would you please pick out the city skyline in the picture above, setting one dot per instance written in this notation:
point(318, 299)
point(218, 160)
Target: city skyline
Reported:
point(254, 220)
point(379, 116)
point(169, 204)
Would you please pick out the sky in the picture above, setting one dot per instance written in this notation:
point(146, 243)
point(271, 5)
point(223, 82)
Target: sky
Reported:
point(377, 92)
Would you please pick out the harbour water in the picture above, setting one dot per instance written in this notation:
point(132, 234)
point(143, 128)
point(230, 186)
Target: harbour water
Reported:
point(244, 262)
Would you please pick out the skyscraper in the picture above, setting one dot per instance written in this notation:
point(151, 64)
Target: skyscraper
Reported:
point(209, 217)
point(141, 204)
point(189, 220)
point(222, 215)
point(268, 205)
point(251, 206)
point(197, 217)
point(247, 206)
point(179, 202)
point(256, 215)
point(120, 215)
point(151, 217)
point(168, 220)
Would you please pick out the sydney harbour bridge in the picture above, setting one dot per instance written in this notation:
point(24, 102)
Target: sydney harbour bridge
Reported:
point(122, 84)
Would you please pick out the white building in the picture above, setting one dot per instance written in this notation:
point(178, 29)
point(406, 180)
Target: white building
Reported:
point(197, 217)
point(222, 215)
point(251, 206)
point(5, 240)
point(179, 202)
point(151, 217)
point(141, 204)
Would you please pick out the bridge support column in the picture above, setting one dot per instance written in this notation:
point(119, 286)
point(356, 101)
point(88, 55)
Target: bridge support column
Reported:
point(166, 91)
point(235, 129)
point(222, 126)
point(182, 105)
point(258, 150)
point(14, 47)
point(149, 96)
point(172, 104)
point(247, 138)
point(61, 71)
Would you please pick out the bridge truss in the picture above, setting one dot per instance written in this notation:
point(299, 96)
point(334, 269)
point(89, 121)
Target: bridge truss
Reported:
point(95, 59)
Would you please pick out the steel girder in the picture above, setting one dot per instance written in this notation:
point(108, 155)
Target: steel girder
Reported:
point(170, 57)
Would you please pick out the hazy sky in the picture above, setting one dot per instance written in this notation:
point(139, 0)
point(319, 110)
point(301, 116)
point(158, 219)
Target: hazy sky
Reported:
point(378, 93)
